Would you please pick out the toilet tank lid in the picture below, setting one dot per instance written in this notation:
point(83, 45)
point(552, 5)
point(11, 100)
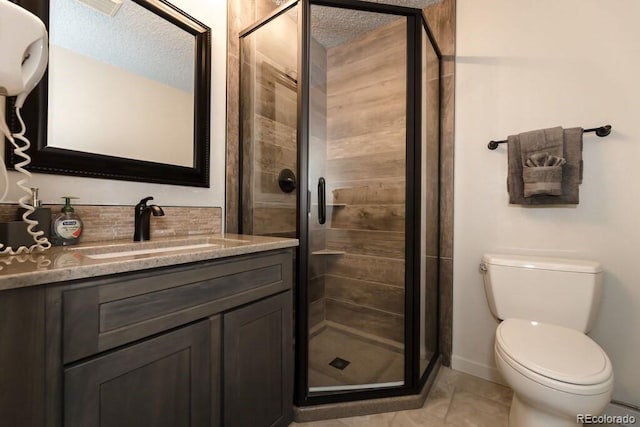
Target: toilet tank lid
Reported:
point(543, 263)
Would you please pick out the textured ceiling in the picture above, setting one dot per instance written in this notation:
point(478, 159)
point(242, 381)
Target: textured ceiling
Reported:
point(134, 39)
point(332, 26)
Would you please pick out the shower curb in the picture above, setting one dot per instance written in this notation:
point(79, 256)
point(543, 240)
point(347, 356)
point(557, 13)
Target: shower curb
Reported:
point(367, 407)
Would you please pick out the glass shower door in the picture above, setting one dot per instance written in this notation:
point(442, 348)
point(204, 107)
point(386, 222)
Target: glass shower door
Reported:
point(269, 122)
point(357, 184)
point(339, 147)
point(429, 200)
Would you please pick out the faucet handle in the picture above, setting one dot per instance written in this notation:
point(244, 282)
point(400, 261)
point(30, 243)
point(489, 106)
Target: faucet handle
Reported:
point(144, 201)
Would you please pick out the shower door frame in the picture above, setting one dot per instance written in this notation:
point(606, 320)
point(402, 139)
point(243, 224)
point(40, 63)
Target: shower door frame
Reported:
point(416, 23)
point(413, 382)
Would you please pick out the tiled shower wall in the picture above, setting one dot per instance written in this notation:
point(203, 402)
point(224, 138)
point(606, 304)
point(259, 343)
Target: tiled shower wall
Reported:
point(366, 137)
point(317, 168)
point(240, 14)
point(269, 122)
point(441, 17)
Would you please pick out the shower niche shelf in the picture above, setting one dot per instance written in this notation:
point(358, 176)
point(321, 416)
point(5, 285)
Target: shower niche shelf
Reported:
point(328, 252)
point(333, 205)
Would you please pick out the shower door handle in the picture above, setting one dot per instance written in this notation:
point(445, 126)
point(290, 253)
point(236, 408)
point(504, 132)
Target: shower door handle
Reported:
point(322, 201)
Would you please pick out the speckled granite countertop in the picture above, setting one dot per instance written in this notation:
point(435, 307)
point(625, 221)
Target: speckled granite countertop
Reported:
point(60, 264)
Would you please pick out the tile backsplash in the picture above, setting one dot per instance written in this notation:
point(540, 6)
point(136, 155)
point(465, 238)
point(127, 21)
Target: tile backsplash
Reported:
point(104, 223)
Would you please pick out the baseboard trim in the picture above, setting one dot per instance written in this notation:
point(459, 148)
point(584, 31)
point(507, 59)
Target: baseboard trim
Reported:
point(489, 373)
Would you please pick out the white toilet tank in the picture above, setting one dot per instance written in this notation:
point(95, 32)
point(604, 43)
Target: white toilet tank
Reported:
point(563, 292)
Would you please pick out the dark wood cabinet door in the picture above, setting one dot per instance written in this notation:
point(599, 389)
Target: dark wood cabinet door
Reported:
point(258, 364)
point(162, 381)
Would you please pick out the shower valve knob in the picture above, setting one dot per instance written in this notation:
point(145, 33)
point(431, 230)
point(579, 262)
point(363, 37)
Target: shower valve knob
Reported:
point(287, 180)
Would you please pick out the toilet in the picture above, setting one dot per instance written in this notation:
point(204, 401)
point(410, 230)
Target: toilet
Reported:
point(547, 305)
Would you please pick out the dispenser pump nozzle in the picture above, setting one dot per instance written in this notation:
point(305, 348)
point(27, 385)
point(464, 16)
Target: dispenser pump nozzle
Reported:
point(67, 204)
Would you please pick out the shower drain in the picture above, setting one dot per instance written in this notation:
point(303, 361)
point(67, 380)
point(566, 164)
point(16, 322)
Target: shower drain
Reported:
point(339, 363)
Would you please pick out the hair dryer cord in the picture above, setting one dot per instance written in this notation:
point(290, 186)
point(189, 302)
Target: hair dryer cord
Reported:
point(41, 242)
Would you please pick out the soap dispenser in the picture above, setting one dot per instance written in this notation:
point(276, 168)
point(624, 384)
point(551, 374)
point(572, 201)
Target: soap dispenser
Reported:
point(67, 226)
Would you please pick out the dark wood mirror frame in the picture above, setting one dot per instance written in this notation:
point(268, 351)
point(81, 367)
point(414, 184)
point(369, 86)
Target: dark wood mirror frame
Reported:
point(45, 159)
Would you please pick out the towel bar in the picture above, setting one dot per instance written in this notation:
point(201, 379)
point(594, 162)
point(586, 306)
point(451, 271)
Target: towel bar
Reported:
point(601, 131)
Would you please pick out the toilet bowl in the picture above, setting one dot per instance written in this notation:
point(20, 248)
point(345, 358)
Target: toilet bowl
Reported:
point(555, 370)
point(556, 373)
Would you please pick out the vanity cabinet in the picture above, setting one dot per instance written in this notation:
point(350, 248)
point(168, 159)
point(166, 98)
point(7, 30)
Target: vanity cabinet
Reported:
point(258, 379)
point(201, 344)
point(157, 382)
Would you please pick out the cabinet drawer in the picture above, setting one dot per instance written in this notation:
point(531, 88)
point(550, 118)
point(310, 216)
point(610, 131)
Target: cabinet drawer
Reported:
point(129, 307)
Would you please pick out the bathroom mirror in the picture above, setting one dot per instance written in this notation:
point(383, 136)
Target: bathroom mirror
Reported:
point(126, 95)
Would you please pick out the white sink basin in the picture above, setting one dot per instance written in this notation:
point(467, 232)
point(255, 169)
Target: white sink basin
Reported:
point(120, 254)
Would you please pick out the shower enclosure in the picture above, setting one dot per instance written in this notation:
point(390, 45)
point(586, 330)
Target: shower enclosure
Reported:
point(339, 147)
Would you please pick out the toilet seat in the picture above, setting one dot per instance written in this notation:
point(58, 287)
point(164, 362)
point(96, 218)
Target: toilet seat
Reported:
point(554, 356)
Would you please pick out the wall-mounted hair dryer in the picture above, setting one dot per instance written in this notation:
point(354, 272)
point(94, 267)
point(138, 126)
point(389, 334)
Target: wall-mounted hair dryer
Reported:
point(24, 53)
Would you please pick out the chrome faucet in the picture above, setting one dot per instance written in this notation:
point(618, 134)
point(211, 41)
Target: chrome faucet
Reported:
point(142, 214)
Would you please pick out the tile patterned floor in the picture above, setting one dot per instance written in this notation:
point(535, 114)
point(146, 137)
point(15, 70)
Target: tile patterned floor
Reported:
point(456, 400)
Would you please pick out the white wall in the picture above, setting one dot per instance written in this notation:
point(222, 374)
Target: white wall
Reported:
point(523, 65)
point(212, 13)
point(76, 81)
point(74, 113)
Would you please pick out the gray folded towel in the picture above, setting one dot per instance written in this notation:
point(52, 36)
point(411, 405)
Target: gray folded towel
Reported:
point(542, 181)
point(545, 141)
point(542, 175)
point(550, 141)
